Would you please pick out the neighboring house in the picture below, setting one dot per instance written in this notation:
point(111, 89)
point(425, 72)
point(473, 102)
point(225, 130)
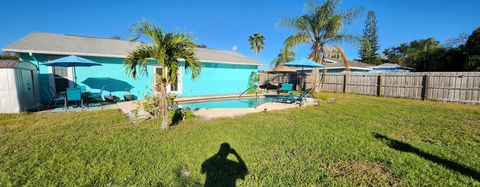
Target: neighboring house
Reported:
point(337, 66)
point(390, 67)
point(223, 72)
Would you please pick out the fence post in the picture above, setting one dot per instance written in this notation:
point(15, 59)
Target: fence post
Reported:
point(379, 85)
point(345, 83)
point(425, 87)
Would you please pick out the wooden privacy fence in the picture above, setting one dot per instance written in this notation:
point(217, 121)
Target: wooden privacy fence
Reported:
point(439, 86)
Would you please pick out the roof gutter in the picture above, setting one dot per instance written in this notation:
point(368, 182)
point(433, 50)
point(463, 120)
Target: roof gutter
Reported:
point(31, 52)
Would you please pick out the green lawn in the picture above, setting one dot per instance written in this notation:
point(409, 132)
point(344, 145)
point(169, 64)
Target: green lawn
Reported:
point(359, 140)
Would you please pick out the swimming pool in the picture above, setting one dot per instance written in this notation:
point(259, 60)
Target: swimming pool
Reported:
point(228, 103)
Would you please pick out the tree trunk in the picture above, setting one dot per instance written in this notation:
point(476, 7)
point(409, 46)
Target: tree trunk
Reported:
point(163, 103)
point(324, 74)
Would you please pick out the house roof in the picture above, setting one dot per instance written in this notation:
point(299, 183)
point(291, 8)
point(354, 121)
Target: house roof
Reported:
point(339, 63)
point(389, 66)
point(281, 69)
point(63, 44)
point(8, 63)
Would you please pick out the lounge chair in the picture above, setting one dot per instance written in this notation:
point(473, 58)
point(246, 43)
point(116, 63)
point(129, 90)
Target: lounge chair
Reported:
point(83, 89)
point(74, 94)
point(53, 99)
point(96, 97)
point(290, 98)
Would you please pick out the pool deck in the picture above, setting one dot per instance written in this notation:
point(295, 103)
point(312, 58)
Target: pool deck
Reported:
point(210, 113)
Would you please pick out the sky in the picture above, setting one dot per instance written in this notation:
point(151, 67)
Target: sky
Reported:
point(222, 24)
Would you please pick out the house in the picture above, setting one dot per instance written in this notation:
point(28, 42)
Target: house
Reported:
point(223, 72)
point(390, 67)
point(338, 66)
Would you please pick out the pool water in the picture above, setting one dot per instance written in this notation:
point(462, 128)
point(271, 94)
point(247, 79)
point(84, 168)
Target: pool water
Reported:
point(228, 103)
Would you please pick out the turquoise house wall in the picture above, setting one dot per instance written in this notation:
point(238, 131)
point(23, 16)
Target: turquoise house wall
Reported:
point(215, 78)
point(111, 73)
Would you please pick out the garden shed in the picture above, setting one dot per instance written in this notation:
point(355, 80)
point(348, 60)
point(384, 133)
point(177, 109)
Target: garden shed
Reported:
point(18, 86)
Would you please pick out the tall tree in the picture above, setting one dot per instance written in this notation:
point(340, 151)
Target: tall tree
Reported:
point(257, 42)
point(423, 55)
point(8, 56)
point(320, 25)
point(285, 55)
point(369, 47)
point(166, 49)
point(472, 48)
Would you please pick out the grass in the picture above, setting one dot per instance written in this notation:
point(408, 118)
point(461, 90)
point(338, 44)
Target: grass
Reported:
point(358, 140)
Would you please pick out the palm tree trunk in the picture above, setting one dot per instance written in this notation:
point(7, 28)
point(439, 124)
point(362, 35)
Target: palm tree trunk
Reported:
point(163, 103)
point(324, 74)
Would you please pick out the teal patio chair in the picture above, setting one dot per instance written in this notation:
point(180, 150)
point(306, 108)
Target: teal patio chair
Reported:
point(292, 99)
point(74, 94)
point(53, 98)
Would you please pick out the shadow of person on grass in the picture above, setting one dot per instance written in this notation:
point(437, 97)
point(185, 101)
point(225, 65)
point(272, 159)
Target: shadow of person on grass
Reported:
point(405, 147)
point(221, 171)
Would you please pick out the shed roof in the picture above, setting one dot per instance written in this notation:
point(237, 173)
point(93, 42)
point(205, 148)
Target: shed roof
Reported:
point(8, 63)
point(63, 44)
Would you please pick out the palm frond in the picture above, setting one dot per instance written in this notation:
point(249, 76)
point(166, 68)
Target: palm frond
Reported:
point(145, 28)
point(350, 15)
point(137, 60)
point(297, 39)
point(333, 26)
point(166, 49)
point(344, 38)
point(344, 57)
point(328, 51)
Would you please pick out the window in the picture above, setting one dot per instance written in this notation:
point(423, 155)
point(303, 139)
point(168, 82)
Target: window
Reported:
point(60, 71)
point(174, 86)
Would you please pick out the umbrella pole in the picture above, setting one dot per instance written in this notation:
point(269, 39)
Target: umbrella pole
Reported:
point(74, 77)
point(303, 84)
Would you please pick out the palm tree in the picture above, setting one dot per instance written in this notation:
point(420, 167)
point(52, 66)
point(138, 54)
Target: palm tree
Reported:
point(285, 55)
point(319, 26)
point(167, 49)
point(256, 43)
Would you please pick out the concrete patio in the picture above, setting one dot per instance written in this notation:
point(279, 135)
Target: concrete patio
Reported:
point(91, 107)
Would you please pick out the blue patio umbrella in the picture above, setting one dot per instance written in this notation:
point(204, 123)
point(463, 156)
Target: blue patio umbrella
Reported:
point(72, 61)
point(303, 63)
